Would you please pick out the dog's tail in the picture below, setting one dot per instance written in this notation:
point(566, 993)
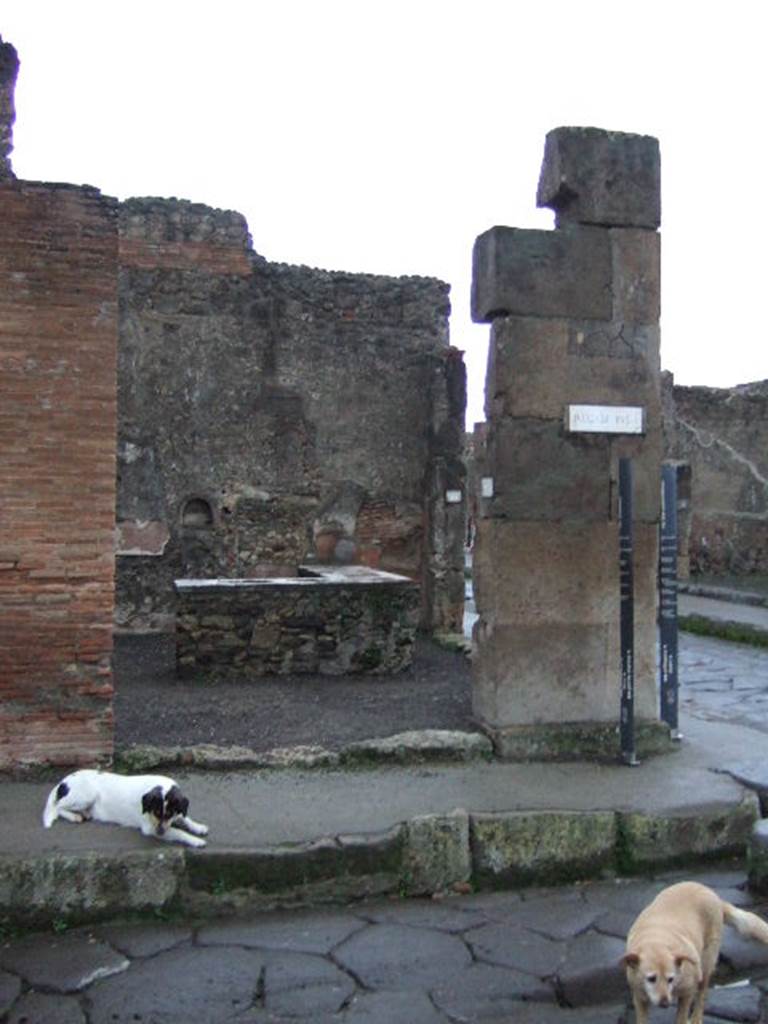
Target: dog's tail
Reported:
point(747, 924)
point(51, 811)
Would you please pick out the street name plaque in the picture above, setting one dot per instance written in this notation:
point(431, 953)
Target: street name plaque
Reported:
point(605, 419)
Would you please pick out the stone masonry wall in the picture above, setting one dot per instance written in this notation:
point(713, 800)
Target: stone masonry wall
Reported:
point(270, 413)
point(58, 398)
point(722, 436)
point(335, 622)
point(9, 67)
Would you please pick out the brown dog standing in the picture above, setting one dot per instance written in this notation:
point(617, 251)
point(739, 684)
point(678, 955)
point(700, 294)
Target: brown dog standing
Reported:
point(673, 946)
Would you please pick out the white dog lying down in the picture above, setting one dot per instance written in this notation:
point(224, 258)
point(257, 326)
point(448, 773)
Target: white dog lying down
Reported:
point(152, 803)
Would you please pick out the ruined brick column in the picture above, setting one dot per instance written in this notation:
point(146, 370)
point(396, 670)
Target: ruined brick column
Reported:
point(9, 68)
point(574, 315)
point(58, 410)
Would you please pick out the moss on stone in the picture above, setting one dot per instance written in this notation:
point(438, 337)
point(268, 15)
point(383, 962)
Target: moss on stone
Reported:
point(736, 632)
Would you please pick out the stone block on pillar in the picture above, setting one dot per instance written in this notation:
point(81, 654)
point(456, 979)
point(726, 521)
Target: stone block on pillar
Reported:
point(541, 273)
point(592, 176)
point(542, 473)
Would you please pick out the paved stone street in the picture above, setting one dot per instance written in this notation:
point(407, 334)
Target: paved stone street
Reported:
point(544, 956)
point(723, 681)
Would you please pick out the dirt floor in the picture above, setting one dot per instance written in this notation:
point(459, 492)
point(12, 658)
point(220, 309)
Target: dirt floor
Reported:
point(152, 706)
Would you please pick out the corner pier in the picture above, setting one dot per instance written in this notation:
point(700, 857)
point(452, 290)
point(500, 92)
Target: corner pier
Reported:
point(573, 386)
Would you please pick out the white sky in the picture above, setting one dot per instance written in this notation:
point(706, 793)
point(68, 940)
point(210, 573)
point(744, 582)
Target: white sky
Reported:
point(384, 137)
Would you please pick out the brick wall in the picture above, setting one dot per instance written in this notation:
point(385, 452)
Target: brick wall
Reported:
point(58, 342)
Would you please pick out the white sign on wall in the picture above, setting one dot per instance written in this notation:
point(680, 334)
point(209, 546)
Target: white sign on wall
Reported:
point(605, 419)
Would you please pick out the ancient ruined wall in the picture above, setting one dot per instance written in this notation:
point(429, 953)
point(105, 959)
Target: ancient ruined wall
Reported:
point(722, 436)
point(9, 67)
point(58, 340)
point(271, 412)
point(329, 621)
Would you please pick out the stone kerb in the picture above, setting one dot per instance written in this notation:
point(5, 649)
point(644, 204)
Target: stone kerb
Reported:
point(327, 620)
point(574, 321)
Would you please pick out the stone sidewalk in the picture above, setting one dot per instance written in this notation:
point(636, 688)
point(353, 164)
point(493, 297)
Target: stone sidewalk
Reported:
point(418, 823)
point(543, 956)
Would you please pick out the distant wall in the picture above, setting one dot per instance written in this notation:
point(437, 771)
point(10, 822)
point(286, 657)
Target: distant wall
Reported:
point(270, 413)
point(722, 436)
point(9, 67)
point(58, 340)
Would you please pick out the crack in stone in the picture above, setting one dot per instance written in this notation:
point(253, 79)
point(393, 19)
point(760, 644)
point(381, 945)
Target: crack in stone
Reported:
point(728, 449)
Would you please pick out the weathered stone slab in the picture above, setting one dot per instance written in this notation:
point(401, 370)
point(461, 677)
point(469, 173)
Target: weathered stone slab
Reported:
point(391, 956)
point(753, 774)
point(141, 940)
point(578, 588)
point(316, 932)
point(649, 840)
point(590, 972)
point(577, 481)
point(541, 273)
point(547, 672)
point(740, 1003)
point(519, 348)
point(48, 962)
point(288, 977)
point(436, 855)
point(504, 944)
point(636, 275)
point(10, 987)
point(420, 745)
point(277, 869)
point(385, 1007)
point(486, 991)
point(88, 884)
point(577, 741)
point(214, 988)
point(537, 365)
point(591, 176)
point(38, 1006)
point(512, 849)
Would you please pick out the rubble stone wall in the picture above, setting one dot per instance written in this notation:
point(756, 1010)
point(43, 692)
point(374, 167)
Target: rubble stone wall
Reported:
point(269, 413)
point(58, 408)
point(328, 623)
point(721, 435)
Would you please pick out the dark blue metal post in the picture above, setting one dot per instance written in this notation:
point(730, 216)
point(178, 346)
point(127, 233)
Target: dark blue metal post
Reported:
point(668, 599)
point(627, 595)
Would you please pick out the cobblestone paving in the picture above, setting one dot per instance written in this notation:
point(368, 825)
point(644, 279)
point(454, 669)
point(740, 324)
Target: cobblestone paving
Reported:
point(543, 956)
point(723, 681)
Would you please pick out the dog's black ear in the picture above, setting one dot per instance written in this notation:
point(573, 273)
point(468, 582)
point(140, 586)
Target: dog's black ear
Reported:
point(152, 802)
point(176, 802)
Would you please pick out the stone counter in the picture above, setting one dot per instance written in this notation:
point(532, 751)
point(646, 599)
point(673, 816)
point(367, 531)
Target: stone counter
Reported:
point(329, 620)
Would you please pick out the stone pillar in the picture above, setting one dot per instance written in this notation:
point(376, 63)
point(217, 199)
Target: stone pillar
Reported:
point(9, 68)
point(574, 321)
